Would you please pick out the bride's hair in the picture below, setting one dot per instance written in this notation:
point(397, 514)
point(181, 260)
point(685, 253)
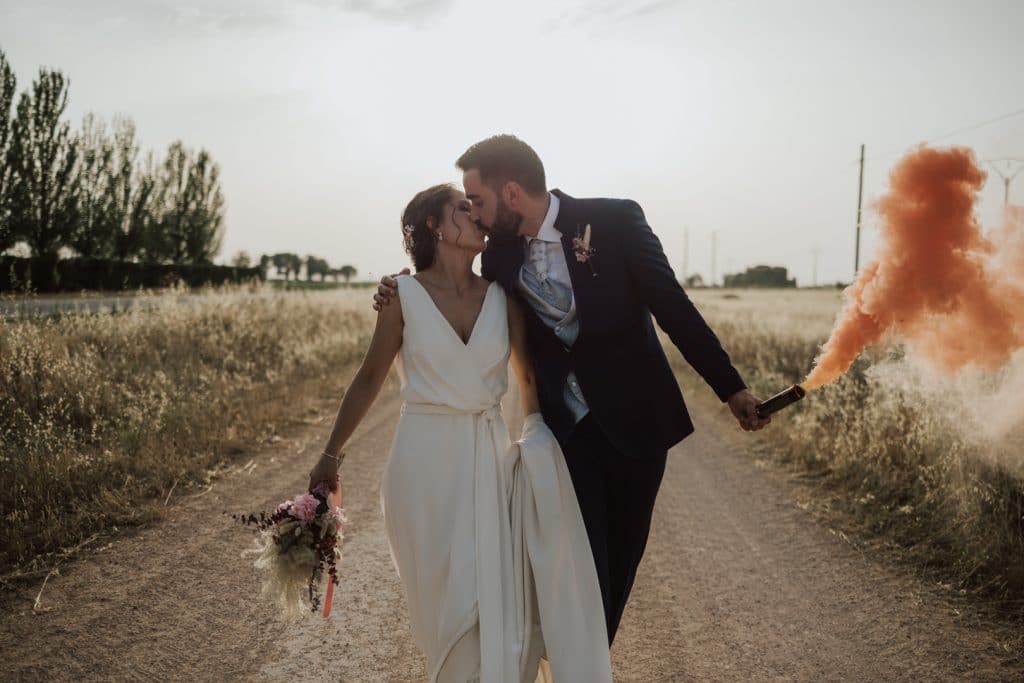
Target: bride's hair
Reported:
point(420, 242)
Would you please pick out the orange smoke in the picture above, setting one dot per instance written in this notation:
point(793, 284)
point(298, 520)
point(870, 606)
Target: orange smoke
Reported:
point(953, 295)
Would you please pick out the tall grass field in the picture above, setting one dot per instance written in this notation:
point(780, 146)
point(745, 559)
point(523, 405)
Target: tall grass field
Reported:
point(102, 415)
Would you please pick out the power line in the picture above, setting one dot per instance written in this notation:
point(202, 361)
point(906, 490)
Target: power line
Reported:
point(944, 136)
point(997, 119)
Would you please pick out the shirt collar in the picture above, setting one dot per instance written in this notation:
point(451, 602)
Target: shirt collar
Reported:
point(548, 232)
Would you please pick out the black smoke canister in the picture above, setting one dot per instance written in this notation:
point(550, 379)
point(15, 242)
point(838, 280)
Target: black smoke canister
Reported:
point(780, 401)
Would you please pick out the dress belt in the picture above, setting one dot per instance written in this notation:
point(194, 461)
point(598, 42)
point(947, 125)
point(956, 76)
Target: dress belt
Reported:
point(440, 409)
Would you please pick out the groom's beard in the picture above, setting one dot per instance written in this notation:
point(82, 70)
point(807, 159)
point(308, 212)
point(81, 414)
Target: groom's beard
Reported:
point(506, 222)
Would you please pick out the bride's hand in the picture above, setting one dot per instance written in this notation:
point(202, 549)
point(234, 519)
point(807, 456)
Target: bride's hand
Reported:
point(326, 469)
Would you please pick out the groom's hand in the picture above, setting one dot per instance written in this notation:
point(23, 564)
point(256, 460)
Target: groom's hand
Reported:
point(743, 405)
point(386, 290)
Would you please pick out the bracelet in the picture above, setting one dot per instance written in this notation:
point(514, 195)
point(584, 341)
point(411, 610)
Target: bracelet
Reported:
point(335, 458)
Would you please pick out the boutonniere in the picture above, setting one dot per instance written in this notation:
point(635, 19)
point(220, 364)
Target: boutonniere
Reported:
point(581, 247)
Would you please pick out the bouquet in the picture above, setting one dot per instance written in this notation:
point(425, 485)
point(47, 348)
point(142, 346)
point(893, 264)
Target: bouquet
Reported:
point(295, 546)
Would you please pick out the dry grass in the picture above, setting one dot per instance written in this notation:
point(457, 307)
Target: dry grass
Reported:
point(932, 464)
point(101, 416)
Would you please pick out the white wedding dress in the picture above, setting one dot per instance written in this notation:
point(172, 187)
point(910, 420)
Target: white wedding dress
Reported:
point(486, 535)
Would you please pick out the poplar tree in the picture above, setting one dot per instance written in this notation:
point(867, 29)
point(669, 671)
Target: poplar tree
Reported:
point(204, 224)
point(8, 83)
point(98, 220)
point(43, 157)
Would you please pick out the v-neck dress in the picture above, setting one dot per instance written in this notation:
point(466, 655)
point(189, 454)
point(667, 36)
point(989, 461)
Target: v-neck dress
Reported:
point(486, 534)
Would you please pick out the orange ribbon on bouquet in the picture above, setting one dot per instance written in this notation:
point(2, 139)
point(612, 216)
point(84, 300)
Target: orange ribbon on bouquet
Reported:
point(335, 498)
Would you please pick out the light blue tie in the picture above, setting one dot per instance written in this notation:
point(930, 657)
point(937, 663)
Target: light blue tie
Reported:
point(539, 259)
point(552, 300)
point(538, 280)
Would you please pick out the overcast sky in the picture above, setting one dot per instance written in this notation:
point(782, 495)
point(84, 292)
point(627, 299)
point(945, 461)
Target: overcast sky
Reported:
point(744, 118)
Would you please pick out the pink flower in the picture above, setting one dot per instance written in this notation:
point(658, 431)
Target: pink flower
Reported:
point(339, 516)
point(304, 508)
point(582, 250)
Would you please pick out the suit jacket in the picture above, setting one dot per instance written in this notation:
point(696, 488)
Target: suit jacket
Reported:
point(619, 362)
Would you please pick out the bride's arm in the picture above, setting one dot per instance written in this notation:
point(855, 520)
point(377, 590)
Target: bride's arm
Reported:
point(366, 384)
point(522, 364)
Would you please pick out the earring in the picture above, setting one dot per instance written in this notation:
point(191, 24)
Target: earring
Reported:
point(440, 237)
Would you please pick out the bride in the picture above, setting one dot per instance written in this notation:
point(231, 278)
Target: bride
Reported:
point(486, 535)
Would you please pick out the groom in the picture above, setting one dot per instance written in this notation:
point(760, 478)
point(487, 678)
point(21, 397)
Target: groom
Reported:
point(590, 273)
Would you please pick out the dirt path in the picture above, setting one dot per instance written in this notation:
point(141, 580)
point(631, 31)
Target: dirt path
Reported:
point(739, 583)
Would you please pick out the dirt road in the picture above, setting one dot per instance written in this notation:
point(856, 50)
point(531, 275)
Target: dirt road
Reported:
point(740, 583)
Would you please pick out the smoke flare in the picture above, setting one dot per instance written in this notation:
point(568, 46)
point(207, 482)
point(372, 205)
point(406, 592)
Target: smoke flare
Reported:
point(953, 295)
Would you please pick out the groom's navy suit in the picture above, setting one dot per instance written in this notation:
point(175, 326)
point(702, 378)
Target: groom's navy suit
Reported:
point(616, 453)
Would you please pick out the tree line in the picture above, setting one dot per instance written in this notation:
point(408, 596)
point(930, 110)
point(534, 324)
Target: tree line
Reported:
point(290, 266)
point(88, 190)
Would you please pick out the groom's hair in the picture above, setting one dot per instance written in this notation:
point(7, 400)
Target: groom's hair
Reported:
point(501, 158)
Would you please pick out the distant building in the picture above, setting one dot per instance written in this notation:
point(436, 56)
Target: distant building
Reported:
point(761, 276)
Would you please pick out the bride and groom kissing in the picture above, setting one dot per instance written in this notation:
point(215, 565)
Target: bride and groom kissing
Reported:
point(517, 558)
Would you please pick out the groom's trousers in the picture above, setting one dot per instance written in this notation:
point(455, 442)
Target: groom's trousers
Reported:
point(616, 497)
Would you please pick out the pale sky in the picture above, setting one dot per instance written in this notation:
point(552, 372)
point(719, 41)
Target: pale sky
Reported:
point(744, 118)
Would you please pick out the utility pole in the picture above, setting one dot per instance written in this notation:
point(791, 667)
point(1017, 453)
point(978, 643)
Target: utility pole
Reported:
point(1007, 179)
point(686, 251)
point(860, 195)
point(714, 257)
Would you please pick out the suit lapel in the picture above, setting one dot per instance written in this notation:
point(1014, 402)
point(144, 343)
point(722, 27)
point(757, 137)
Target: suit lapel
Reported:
point(507, 255)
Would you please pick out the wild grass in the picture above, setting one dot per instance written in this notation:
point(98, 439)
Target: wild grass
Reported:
point(102, 415)
point(931, 464)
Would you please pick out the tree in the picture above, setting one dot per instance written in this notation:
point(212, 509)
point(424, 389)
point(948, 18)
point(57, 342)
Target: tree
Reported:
point(282, 264)
point(163, 240)
point(347, 272)
point(294, 264)
point(204, 229)
point(43, 156)
point(8, 85)
point(316, 266)
point(191, 207)
point(142, 234)
point(694, 280)
point(98, 222)
point(241, 260)
point(132, 188)
point(286, 264)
